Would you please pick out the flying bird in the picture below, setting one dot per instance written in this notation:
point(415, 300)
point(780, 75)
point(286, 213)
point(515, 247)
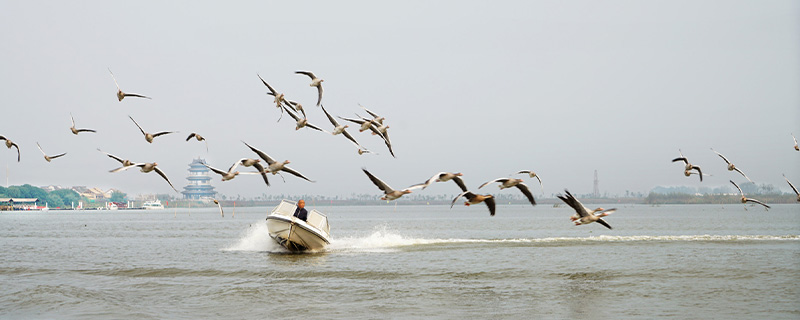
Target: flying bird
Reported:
point(533, 175)
point(731, 167)
point(255, 163)
point(275, 167)
point(302, 122)
point(342, 129)
point(10, 144)
point(220, 208)
point(125, 162)
point(280, 98)
point(389, 194)
point(46, 157)
point(746, 199)
point(121, 95)
point(583, 214)
point(511, 182)
point(375, 118)
point(148, 136)
point(315, 82)
point(796, 147)
point(793, 188)
point(76, 131)
point(688, 167)
point(146, 168)
point(198, 137)
point(231, 173)
point(476, 199)
point(367, 124)
point(443, 177)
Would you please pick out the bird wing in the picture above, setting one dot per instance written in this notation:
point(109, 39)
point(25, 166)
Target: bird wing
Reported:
point(540, 182)
point(260, 154)
point(721, 156)
point(58, 155)
point(353, 120)
point(574, 203)
point(489, 201)
point(40, 148)
point(162, 133)
point(759, 202)
point(112, 156)
point(603, 222)
point(73, 119)
point(87, 130)
point(136, 95)
point(315, 127)
point(18, 154)
point(137, 125)
point(380, 184)
point(493, 181)
point(260, 168)
point(426, 183)
point(466, 193)
point(308, 73)
point(699, 173)
point(680, 159)
point(161, 173)
point(330, 118)
point(191, 135)
point(115, 79)
point(271, 90)
point(527, 192)
point(123, 168)
point(791, 185)
point(235, 165)
point(737, 187)
point(524, 171)
point(742, 173)
point(220, 207)
point(373, 114)
point(319, 94)
point(349, 137)
point(298, 174)
point(294, 116)
point(3, 138)
point(460, 183)
point(217, 171)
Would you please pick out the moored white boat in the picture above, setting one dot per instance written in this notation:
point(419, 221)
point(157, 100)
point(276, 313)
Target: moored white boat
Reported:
point(295, 234)
point(153, 205)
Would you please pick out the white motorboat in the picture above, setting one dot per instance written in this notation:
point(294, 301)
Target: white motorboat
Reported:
point(295, 234)
point(153, 205)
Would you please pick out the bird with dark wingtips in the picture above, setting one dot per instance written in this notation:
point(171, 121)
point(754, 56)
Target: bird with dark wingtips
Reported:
point(315, 82)
point(796, 147)
point(150, 136)
point(368, 124)
point(280, 98)
point(121, 95)
point(276, 167)
point(688, 167)
point(731, 166)
point(472, 198)
point(584, 215)
point(511, 182)
point(389, 194)
point(442, 177)
point(220, 208)
point(255, 163)
point(342, 129)
point(147, 167)
point(793, 188)
point(124, 162)
point(532, 174)
point(49, 158)
point(231, 173)
point(746, 199)
point(76, 131)
point(302, 122)
point(10, 144)
point(198, 138)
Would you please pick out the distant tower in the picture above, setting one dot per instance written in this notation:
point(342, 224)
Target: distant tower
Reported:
point(199, 182)
point(596, 192)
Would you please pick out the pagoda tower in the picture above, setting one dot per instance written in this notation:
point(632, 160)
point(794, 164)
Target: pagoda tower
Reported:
point(199, 186)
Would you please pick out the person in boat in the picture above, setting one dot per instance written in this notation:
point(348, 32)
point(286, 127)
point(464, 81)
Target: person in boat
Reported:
point(301, 212)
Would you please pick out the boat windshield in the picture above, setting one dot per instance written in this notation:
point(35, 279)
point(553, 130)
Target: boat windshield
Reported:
point(315, 218)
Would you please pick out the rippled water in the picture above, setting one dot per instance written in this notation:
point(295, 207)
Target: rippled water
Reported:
point(705, 261)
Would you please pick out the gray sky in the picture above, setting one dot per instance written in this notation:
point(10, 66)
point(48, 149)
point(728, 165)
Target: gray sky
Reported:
point(483, 88)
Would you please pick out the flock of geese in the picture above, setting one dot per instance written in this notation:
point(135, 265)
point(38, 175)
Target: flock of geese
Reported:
point(375, 124)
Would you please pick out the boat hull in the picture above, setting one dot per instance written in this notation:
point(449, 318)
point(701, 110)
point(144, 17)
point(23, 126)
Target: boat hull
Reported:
point(295, 234)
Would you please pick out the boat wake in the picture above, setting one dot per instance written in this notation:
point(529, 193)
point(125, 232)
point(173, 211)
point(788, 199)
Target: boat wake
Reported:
point(256, 238)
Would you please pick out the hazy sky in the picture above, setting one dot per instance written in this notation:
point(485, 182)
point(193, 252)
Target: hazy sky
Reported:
point(484, 88)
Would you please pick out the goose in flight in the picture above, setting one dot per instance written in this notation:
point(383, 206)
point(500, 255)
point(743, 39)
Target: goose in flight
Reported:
point(125, 162)
point(342, 129)
point(584, 215)
point(443, 177)
point(121, 95)
point(315, 82)
point(76, 131)
point(220, 208)
point(793, 188)
point(198, 138)
point(532, 175)
point(796, 147)
point(511, 182)
point(688, 167)
point(476, 199)
point(46, 157)
point(302, 122)
point(150, 136)
point(255, 163)
point(10, 144)
point(280, 98)
point(375, 118)
point(389, 194)
point(367, 124)
point(146, 168)
point(746, 199)
point(275, 167)
point(231, 173)
point(731, 166)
